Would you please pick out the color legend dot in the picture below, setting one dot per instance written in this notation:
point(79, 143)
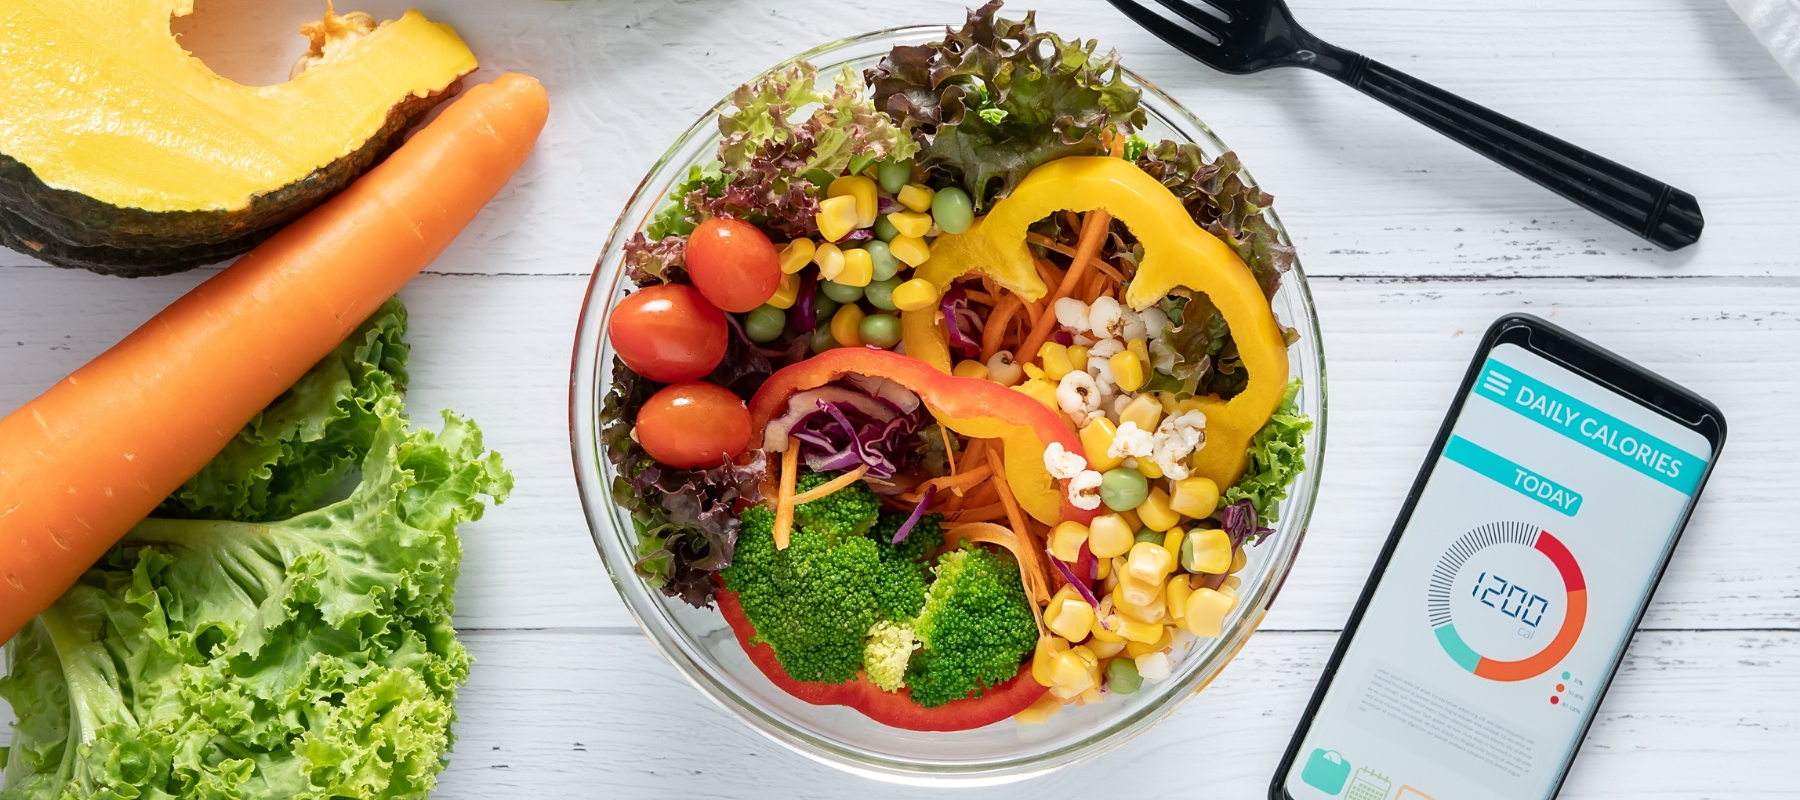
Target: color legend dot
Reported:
point(1565, 676)
point(1554, 700)
point(1560, 687)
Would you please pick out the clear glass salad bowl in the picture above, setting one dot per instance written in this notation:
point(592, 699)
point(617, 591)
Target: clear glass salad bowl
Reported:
point(699, 642)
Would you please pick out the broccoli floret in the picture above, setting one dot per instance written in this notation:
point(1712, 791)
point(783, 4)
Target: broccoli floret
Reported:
point(975, 630)
point(900, 591)
point(885, 655)
point(849, 511)
point(816, 600)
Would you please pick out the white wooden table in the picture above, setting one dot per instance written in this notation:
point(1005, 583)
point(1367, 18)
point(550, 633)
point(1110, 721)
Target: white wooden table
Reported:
point(1413, 246)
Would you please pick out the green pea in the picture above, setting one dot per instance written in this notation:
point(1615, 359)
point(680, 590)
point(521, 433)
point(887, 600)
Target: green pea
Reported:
point(1122, 676)
point(881, 330)
point(881, 293)
point(840, 292)
point(1123, 489)
point(1147, 535)
point(765, 324)
point(884, 230)
point(822, 339)
point(823, 308)
point(893, 175)
point(1187, 555)
point(951, 208)
point(881, 259)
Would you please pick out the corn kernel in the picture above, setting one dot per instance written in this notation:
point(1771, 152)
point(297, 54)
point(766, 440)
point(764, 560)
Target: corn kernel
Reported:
point(1066, 540)
point(1207, 552)
point(1190, 404)
point(830, 260)
point(1135, 631)
point(1135, 649)
point(1205, 613)
point(1238, 559)
point(1097, 439)
point(1072, 621)
point(796, 255)
point(1167, 401)
point(970, 368)
point(1033, 371)
point(1109, 536)
point(1042, 391)
point(911, 250)
point(1103, 568)
point(1154, 612)
point(1155, 511)
point(1131, 519)
point(860, 189)
point(1149, 468)
point(1048, 649)
point(858, 269)
point(1172, 540)
point(1091, 696)
point(1127, 371)
point(1195, 497)
point(1074, 669)
point(910, 223)
point(1176, 595)
point(917, 294)
point(1110, 633)
point(1078, 358)
point(1142, 411)
point(1149, 563)
point(1056, 360)
point(786, 292)
point(1232, 582)
point(1104, 650)
point(846, 325)
point(836, 217)
point(1133, 592)
point(1137, 348)
point(915, 197)
point(1039, 712)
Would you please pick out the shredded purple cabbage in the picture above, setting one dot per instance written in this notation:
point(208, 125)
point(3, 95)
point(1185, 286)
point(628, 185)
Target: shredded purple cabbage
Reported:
point(886, 205)
point(1063, 338)
point(800, 316)
point(858, 235)
point(1239, 522)
point(839, 436)
point(955, 306)
point(917, 512)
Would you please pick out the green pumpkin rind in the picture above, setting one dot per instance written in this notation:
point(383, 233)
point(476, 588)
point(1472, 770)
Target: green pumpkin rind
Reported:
point(69, 229)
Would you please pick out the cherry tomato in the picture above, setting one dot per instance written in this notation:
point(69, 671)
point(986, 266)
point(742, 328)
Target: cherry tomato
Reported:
point(693, 424)
point(733, 264)
point(668, 333)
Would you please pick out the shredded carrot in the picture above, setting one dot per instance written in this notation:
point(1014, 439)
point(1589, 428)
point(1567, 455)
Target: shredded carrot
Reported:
point(1093, 232)
point(982, 495)
point(949, 450)
point(987, 513)
point(954, 483)
point(1117, 147)
point(826, 488)
point(981, 297)
point(1051, 274)
point(1095, 287)
point(1073, 219)
point(1034, 310)
point(996, 326)
point(1050, 244)
point(1106, 268)
point(895, 503)
point(784, 496)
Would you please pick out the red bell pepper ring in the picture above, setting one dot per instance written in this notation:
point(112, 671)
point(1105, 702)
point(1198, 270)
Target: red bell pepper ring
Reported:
point(893, 709)
point(969, 406)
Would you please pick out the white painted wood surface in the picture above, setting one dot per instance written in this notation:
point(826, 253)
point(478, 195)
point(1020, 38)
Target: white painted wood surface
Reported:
point(1413, 245)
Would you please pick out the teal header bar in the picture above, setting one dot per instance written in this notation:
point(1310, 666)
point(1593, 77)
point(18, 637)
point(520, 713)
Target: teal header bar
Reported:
point(1597, 430)
point(1502, 470)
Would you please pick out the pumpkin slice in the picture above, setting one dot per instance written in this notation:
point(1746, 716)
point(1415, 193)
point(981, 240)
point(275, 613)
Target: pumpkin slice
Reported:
point(123, 154)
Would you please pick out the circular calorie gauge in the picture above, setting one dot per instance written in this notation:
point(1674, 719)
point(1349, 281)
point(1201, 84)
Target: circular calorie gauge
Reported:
point(1491, 587)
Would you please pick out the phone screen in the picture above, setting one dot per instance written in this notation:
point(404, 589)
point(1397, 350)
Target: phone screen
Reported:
point(1510, 596)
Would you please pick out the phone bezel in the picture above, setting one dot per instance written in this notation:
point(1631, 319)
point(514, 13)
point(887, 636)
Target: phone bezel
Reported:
point(1597, 364)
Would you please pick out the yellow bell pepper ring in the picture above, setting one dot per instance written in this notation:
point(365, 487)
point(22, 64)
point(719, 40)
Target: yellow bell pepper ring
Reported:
point(1177, 252)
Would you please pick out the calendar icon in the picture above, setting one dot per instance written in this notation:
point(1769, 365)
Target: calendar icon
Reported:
point(1368, 784)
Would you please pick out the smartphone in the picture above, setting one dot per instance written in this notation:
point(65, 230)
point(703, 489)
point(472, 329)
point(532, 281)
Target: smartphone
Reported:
point(1523, 559)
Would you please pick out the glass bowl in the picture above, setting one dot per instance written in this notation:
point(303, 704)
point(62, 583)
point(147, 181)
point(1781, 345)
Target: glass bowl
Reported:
point(699, 643)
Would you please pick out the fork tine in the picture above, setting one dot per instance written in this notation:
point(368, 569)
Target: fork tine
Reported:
point(1184, 35)
point(1210, 15)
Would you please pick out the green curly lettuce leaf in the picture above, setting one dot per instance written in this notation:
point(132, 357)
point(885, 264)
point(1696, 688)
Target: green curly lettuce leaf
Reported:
point(311, 438)
point(1277, 457)
point(1215, 194)
point(307, 658)
point(998, 98)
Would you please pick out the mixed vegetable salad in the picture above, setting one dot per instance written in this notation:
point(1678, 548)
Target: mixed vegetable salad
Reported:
point(957, 397)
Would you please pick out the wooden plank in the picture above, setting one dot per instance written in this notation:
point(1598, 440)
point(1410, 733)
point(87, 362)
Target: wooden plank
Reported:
point(568, 713)
point(1677, 89)
point(497, 349)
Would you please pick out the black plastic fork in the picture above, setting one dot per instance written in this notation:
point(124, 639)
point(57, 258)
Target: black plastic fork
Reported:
point(1245, 36)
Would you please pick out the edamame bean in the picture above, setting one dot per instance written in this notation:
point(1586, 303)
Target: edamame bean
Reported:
point(881, 293)
point(822, 339)
point(823, 307)
point(1147, 535)
point(765, 324)
point(881, 330)
point(881, 259)
point(841, 293)
point(893, 174)
point(1122, 676)
point(952, 210)
point(884, 230)
point(1123, 488)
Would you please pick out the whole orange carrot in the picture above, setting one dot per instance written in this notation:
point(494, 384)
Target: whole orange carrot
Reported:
point(91, 457)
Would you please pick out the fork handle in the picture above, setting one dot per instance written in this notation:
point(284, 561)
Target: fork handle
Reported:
point(1663, 214)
